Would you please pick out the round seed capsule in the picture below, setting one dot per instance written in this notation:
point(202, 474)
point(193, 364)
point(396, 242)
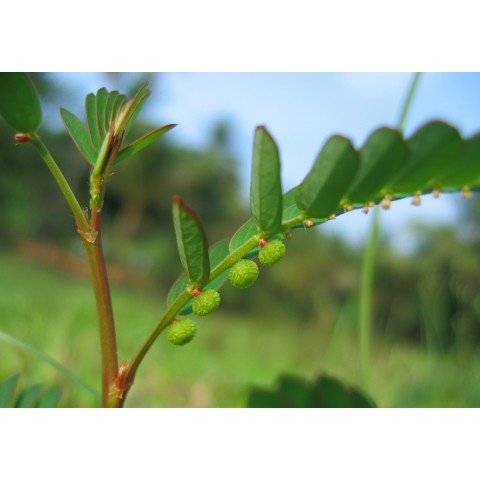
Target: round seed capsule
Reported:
point(272, 252)
point(206, 302)
point(243, 274)
point(181, 331)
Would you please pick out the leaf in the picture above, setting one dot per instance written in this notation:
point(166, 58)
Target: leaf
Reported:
point(466, 171)
point(332, 173)
point(50, 398)
point(112, 98)
point(135, 107)
point(266, 189)
point(119, 103)
point(293, 392)
point(91, 112)
point(29, 397)
point(101, 98)
point(245, 233)
point(7, 388)
point(142, 142)
point(433, 149)
point(191, 242)
point(381, 158)
point(19, 102)
point(79, 134)
point(217, 253)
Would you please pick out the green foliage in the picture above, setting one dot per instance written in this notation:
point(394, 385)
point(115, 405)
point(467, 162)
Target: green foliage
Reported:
point(325, 392)
point(28, 398)
point(109, 115)
point(266, 189)
point(334, 169)
point(181, 332)
point(191, 242)
point(19, 103)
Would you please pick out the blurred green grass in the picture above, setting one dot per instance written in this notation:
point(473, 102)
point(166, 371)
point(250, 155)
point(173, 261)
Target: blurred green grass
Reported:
point(55, 312)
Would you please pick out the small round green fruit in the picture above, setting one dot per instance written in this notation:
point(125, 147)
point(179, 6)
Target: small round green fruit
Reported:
point(181, 331)
point(243, 274)
point(206, 302)
point(272, 252)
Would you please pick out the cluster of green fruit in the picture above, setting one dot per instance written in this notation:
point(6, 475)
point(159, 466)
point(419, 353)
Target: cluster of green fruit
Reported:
point(242, 275)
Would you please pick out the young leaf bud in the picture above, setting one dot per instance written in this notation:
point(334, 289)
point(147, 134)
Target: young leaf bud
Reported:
point(272, 252)
point(243, 274)
point(206, 302)
point(181, 331)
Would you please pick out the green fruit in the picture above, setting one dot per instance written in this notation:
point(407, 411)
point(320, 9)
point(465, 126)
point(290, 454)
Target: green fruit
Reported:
point(181, 331)
point(206, 302)
point(272, 252)
point(243, 274)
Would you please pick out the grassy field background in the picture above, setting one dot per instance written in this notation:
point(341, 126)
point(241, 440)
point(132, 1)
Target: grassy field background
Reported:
point(55, 312)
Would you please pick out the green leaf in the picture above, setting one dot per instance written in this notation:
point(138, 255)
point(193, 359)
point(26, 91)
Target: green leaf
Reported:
point(101, 98)
point(7, 388)
point(91, 112)
point(142, 142)
point(79, 134)
point(19, 103)
point(332, 173)
point(381, 158)
point(135, 107)
point(245, 233)
point(191, 242)
point(119, 103)
point(112, 98)
point(217, 253)
point(50, 398)
point(29, 397)
point(266, 189)
point(466, 171)
point(434, 148)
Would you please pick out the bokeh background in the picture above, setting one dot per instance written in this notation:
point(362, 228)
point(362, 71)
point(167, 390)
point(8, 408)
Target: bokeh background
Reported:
point(302, 316)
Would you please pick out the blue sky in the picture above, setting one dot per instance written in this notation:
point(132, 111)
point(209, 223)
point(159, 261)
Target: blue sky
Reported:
point(302, 110)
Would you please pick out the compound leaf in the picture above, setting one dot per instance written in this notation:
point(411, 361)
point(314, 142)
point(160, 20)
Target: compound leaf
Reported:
point(101, 98)
point(91, 112)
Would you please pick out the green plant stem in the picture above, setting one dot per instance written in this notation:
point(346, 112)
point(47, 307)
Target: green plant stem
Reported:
point(91, 239)
point(72, 201)
point(368, 264)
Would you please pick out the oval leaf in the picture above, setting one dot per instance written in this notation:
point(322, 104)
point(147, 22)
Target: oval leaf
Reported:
point(112, 98)
point(381, 158)
point(101, 98)
point(142, 142)
point(19, 103)
point(466, 171)
point(433, 149)
point(266, 189)
point(191, 242)
point(332, 173)
point(91, 112)
point(79, 134)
